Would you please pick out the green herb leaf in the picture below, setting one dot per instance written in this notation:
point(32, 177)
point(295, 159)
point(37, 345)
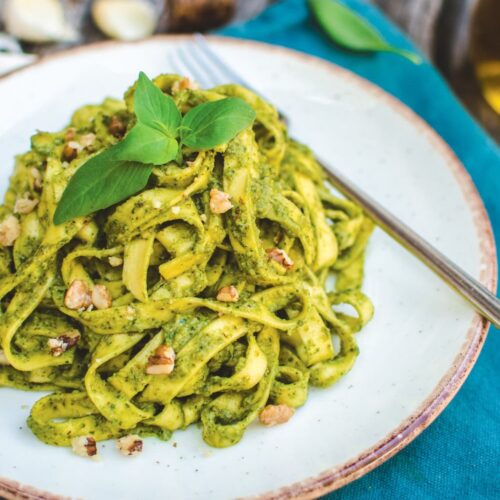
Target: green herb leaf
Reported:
point(154, 108)
point(99, 183)
point(147, 145)
point(213, 123)
point(349, 30)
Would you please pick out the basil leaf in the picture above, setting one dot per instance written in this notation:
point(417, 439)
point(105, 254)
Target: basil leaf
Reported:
point(147, 145)
point(213, 123)
point(99, 183)
point(349, 30)
point(154, 108)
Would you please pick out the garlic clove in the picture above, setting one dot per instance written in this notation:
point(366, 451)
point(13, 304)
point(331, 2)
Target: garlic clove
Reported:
point(125, 19)
point(38, 21)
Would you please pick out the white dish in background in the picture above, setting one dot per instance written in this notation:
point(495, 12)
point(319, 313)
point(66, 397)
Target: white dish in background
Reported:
point(415, 353)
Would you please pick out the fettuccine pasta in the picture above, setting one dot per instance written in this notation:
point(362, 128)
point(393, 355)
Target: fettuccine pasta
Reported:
point(211, 296)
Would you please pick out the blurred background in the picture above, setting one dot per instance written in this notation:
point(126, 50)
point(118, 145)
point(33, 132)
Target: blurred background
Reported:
point(462, 37)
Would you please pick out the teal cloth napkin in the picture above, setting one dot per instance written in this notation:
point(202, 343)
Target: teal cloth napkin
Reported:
point(458, 456)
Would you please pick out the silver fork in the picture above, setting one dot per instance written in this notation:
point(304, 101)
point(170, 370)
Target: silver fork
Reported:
point(198, 60)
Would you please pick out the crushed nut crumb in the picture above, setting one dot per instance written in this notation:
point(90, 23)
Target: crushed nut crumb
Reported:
point(87, 140)
point(156, 203)
point(78, 296)
point(25, 205)
point(280, 256)
point(176, 210)
point(275, 414)
point(101, 298)
point(84, 446)
point(64, 342)
point(37, 178)
point(130, 445)
point(115, 261)
point(228, 294)
point(162, 362)
point(219, 201)
point(182, 84)
point(203, 218)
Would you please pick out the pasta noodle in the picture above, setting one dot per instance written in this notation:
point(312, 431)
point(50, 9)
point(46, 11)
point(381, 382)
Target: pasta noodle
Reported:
point(245, 299)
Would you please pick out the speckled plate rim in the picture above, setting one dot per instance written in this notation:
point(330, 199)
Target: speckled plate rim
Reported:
point(334, 478)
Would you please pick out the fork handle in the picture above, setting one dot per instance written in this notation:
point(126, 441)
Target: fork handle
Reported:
point(478, 295)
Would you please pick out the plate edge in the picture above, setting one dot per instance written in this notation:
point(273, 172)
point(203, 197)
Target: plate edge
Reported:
point(332, 479)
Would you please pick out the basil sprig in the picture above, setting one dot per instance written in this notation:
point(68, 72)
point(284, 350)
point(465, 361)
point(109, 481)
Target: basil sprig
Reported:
point(214, 123)
point(350, 31)
point(124, 169)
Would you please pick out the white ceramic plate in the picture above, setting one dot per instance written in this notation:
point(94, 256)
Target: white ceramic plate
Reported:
point(415, 353)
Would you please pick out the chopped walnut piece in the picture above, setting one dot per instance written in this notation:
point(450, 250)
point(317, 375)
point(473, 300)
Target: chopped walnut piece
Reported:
point(219, 201)
point(130, 445)
point(280, 256)
point(275, 414)
point(69, 153)
point(9, 231)
point(87, 140)
point(75, 145)
point(25, 205)
point(56, 346)
point(84, 446)
point(37, 178)
point(162, 362)
point(64, 342)
point(3, 358)
point(115, 261)
point(176, 210)
point(101, 297)
point(228, 294)
point(117, 127)
point(78, 296)
point(183, 84)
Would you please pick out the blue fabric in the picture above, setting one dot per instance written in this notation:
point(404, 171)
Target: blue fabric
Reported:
point(458, 456)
